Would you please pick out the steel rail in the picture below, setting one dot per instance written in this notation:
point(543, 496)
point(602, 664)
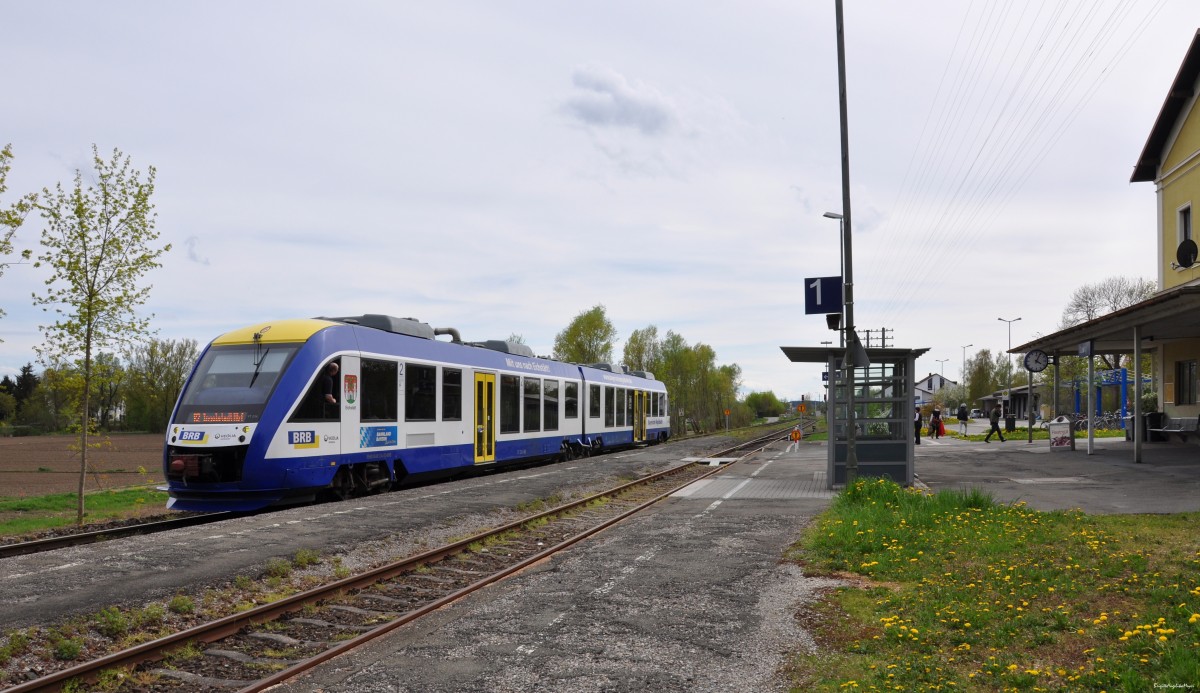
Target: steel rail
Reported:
point(80, 538)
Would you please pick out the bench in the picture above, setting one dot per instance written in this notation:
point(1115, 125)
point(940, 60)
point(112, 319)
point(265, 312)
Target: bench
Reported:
point(1180, 427)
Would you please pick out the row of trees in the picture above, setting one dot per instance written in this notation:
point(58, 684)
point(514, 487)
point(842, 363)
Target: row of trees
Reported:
point(133, 392)
point(700, 388)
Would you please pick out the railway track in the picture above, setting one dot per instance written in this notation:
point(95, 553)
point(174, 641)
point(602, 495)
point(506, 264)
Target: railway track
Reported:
point(256, 649)
point(81, 538)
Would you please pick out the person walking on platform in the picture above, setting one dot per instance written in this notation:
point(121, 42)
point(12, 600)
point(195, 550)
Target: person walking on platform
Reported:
point(935, 424)
point(962, 418)
point(994, 418)
point(917, 425)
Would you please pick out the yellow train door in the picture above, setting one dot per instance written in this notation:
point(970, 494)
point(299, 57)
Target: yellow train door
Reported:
point(639, 416)
point(485, 419)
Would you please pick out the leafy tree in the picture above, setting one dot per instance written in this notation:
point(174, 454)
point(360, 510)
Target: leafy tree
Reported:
point(11, 218)
point(157, 370)
point(108, 379)
point(26, 383)
point(8, 406)
point(98, 244)
point(588, 339)
point(54, 401)
point(642, 351)
point(764, 404)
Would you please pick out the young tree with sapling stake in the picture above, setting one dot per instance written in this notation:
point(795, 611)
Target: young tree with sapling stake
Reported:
point(98, 244)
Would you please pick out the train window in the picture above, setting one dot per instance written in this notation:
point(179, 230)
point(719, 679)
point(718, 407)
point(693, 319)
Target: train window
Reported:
point(510, 404)
point(378, 390)
point(316, 406)
point(571, 400)
point(662, 409)
point(654, 405)
point(619, 405)
point(594, 401)
point(629, 407)
point(533, 404)
point(420, 393)
point(451, 394)
point(610, 408)
point(550, 406)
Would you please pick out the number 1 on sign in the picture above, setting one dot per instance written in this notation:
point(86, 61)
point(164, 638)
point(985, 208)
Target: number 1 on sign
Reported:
point(817, 285)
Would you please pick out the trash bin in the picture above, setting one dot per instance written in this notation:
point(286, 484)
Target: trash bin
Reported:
point(1060, 434)
point(1154, 419)
point(1010, 424)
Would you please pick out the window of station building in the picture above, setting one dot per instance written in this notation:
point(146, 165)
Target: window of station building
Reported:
point(451, 394)
point(510, 404)
point(420, 393)
point(619, 405)
point(1185, 382)
point(571, 400)
point(550, 406)
point(610, 409)
point(1185, 223)
point(594, 401)
point(378, 390)
point(533, 405)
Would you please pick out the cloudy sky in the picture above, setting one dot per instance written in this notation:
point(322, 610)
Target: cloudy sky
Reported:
point(500, 167)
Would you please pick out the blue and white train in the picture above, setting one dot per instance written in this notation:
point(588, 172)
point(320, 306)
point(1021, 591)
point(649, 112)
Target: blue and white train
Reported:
point(264, 419)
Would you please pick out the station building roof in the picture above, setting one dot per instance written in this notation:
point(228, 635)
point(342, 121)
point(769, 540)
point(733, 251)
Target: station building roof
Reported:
point(1170, 314)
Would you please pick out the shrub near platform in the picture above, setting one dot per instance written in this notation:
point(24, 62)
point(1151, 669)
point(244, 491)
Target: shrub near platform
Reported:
point(962, 593)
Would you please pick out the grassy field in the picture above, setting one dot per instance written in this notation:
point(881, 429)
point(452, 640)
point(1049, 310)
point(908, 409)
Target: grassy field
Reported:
point(33, 515)
point(956, 592)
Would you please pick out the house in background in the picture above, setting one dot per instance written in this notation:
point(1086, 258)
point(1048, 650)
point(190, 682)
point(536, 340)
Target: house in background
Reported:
point(930, 385)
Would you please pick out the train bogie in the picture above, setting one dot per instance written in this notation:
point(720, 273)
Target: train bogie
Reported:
point(290, 411)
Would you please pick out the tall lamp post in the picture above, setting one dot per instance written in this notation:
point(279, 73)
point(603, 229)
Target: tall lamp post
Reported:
point(943, 368)
point(847, 254)
point(1010, 367)
point(963, 373)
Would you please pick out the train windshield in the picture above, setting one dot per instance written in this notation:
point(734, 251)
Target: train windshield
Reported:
point(232, 384)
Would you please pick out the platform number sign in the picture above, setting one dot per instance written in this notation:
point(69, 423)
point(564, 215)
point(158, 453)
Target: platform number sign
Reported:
point(822, 295)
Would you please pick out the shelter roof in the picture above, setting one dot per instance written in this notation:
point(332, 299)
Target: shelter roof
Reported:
point(1170, 314)
point(822, 354)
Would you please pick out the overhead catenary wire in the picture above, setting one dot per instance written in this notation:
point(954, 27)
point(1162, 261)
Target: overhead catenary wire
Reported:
point(1014, 82)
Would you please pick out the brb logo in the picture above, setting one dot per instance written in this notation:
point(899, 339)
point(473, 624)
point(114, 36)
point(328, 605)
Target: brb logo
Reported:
point(303, 439)
point(191, 436)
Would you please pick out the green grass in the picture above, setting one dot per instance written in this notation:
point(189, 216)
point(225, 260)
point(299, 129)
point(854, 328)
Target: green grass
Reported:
point(20, 516)
point(962, 593)
point(1022, 433)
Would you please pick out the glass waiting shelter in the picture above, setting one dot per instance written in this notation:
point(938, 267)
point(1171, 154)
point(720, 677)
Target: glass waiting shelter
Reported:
point(883, 414)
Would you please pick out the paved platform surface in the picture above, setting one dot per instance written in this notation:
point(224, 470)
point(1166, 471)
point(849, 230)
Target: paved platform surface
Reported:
point(692, 595)
point(1105, 482)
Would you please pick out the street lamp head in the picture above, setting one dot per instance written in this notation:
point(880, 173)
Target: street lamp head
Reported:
point(832, 215)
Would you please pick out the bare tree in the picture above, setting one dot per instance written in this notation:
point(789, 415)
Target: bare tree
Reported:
point(1091, 301)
